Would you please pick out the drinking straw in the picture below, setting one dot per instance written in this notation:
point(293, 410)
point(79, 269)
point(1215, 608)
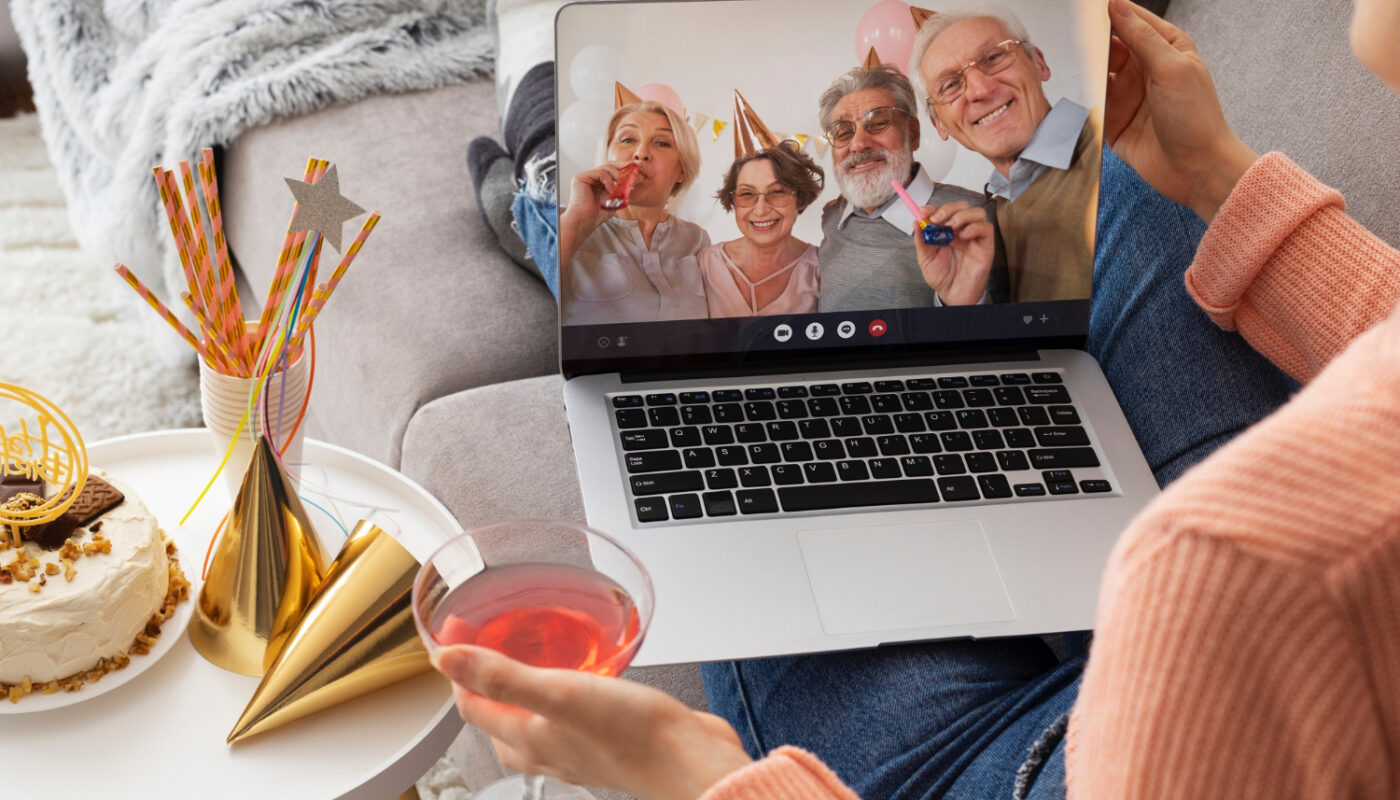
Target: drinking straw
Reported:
point(226, 365)
point(286, 264)
point(213, 299)
point(155, 303)
point(180, 245)
point(323, 292)
point(202, 285)
point(232, 304)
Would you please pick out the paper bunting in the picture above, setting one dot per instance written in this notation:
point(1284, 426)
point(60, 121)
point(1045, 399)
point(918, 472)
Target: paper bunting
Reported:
point(800, 138)
point(717, 127)
point(821, 145)
point(697, 121)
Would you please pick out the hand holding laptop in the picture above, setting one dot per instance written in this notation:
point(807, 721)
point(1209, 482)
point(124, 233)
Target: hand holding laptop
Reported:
point(1163, 116)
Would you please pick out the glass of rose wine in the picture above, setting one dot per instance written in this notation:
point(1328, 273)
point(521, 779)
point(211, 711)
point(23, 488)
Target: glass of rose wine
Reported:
point(548, 593)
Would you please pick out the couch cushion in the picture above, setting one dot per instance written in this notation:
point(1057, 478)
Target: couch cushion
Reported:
point(431, 306)
point(1288, 81)
point(503, 451)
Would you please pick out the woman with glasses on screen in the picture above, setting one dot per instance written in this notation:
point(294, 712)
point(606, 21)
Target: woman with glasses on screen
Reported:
point(766, 270)
point(636, 263)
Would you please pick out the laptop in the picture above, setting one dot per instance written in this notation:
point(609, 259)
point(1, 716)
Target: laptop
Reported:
point(843, 477)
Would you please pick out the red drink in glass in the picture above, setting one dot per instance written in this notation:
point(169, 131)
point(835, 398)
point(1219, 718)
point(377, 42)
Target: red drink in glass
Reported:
point(544, 615)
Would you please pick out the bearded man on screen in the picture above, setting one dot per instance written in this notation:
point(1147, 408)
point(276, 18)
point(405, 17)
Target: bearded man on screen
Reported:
point(870, 256)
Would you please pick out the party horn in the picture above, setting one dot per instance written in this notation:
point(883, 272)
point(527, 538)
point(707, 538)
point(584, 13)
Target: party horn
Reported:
point(937, 235)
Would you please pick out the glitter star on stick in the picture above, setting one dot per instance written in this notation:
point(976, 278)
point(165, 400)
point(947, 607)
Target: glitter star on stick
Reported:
point(320, 207)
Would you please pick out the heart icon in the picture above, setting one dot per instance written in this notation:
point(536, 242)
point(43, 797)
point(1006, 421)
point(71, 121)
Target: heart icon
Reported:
point(1027, 319)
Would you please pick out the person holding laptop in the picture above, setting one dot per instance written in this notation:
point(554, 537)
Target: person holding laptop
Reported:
point(980, 79)
point(1245, 640)
point(868, 256)
point(636, 264)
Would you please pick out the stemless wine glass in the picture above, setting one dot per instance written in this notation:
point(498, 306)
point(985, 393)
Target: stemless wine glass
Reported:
point(545, 592)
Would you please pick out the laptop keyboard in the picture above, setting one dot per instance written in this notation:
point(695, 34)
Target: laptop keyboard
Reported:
point(817, 447)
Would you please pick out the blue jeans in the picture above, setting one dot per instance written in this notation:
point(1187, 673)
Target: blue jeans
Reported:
point(985, 719)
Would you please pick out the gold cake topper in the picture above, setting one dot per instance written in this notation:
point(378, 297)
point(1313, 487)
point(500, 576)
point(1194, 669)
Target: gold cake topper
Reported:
point(50, 449)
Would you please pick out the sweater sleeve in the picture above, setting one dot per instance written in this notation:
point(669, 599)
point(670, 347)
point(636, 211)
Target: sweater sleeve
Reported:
point(1244, 645)
point(1284, 265)
point(788, 773)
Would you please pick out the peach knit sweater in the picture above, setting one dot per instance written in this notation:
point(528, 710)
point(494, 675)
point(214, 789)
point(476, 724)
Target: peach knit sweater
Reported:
point(1248, 639)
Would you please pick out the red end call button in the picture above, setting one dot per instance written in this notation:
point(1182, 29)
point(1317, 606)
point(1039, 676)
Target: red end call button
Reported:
point(878, 327)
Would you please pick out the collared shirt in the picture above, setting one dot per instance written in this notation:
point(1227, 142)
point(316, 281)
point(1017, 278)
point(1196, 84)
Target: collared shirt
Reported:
point(1051, 146)
point(894, 211)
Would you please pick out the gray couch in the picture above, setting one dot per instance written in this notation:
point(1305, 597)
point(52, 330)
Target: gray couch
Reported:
point(438, 355)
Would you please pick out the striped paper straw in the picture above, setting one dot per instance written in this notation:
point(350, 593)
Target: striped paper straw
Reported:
point(168, 201)
point(286, 263)
point(204, 284)
point(318, 299)
point(218, 313)
point(155, 303)
point(338, 273)
point(227, 288)
point(215, 347)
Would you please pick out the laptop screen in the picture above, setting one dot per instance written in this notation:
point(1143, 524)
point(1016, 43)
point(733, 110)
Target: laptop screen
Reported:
point(727, 174)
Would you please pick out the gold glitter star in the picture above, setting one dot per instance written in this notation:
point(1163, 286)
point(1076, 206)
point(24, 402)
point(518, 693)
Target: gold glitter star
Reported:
point(320, 207)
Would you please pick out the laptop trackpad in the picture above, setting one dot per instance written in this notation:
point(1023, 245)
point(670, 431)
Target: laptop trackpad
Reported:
point(904, 576)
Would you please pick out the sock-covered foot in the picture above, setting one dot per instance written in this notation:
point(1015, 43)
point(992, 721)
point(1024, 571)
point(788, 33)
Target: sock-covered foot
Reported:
point(493, 178)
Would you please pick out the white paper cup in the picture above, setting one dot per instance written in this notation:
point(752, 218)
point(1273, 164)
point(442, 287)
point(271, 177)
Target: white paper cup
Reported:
point(224, 400)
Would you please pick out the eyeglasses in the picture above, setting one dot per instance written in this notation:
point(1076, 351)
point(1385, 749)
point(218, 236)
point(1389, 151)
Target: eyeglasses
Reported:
point(874, 121)
point(952, 85)
point(778, 198)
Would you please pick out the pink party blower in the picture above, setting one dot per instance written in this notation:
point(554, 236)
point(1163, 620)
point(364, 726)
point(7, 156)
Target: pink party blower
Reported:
point(936, 235)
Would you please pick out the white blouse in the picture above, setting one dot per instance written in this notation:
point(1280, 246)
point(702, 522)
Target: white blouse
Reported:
point(723, 279)
point(615, 277)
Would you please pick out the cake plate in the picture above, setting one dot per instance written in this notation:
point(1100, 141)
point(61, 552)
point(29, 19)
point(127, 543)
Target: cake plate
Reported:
point(161, 734)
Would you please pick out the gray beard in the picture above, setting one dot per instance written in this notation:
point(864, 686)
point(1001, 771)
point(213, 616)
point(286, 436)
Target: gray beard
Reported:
point(872, 189)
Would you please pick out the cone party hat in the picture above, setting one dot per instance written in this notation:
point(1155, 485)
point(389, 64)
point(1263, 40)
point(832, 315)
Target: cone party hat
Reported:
point(357, 636)
point(267, 565)
point(622, 96)
point(921, 15)
point(750, 134)
point(872, 60)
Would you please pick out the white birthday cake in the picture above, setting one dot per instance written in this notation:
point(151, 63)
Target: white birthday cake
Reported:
point(81, 594)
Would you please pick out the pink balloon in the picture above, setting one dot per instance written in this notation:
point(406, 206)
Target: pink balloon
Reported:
point(889, 28)
point(664, 95)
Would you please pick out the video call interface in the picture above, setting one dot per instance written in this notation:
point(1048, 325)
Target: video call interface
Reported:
point(741, 176)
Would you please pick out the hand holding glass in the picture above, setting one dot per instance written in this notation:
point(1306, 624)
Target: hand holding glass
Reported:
point(546, 593)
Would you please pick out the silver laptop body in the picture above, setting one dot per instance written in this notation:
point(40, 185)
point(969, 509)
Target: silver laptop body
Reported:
point(753, 581)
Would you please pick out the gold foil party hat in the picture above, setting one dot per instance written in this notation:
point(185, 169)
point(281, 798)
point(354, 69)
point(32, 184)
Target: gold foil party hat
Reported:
point(872, 60)
point(750, 134)
point(622, 96)
point(921, 15)
point(267, 565)
point(357, 636)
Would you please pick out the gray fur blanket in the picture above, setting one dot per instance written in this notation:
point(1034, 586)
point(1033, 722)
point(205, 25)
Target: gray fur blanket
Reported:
point(122, 86)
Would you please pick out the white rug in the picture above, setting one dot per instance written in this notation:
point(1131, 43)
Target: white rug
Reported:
point(71, 333)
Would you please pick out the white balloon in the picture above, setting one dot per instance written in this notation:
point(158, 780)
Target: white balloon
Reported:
point(581, 132)
point(593, 71)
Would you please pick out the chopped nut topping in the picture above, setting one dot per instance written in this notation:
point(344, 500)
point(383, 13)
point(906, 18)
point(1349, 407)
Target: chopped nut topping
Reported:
point(176, 592)
point(51, 568)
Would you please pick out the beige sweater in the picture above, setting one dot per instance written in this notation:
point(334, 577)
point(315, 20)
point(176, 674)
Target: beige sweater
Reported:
point(1248, 641)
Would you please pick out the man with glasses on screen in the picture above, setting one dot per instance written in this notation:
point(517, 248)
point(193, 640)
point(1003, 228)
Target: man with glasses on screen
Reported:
point(981, 79)
point(870, 257)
